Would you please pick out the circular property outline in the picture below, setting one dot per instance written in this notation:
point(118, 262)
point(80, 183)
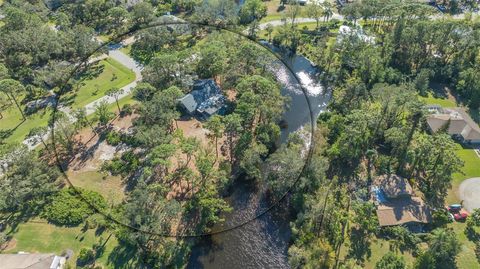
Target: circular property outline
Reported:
point(135, 29)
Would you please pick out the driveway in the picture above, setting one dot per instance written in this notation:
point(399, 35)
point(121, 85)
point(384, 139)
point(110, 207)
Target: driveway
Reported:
point(469, 192)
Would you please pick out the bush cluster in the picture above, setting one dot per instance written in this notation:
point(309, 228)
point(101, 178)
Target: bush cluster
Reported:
point(68, 208)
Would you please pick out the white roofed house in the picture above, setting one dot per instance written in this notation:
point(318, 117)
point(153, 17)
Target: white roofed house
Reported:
point(31, 261)
point(457, 123)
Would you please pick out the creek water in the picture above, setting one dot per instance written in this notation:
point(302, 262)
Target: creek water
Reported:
point(263, 242)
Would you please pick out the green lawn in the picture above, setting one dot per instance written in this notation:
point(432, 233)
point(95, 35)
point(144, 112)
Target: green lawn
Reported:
point(110, 187)
point(432, 100)
point(17, 129)
point(379, 248)
point(273, 13)
point(126, 49)
point(111, 74)
point(470, 169)
point(39, 236)
point(466, 259)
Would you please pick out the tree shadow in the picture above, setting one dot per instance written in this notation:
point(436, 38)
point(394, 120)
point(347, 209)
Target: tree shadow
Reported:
point(359, 246)
point(124, 256)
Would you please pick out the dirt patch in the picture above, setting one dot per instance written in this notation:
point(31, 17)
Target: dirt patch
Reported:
point(194, 128)
point(9, 245)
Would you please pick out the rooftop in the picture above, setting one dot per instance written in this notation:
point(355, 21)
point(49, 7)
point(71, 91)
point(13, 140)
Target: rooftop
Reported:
point(394, 186)
point(401, 211)
point(31, 261)
point(205, 99)
point(460, 123)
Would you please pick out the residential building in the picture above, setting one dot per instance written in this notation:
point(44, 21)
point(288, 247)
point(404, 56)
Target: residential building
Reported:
point(456, 122)
point(396, 204)
point(205, 99)
point(31, 261)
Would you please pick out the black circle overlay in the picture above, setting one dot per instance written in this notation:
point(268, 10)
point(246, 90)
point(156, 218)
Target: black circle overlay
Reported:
point(133, 30)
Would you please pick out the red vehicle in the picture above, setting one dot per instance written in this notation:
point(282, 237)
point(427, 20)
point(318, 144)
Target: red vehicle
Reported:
point(460, 216)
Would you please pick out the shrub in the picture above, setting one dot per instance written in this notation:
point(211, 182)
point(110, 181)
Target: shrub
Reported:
point(113, 138)
point(68, 208)
point(126, 110)
point(86, 256)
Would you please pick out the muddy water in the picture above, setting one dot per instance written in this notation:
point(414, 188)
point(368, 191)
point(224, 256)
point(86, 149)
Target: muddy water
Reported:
point(263, 242)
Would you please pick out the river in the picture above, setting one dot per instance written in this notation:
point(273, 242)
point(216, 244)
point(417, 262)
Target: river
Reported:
point(263, 242)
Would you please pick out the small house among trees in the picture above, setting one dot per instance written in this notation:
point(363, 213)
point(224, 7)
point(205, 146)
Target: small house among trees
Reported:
point(396, 204)
point(205, 99)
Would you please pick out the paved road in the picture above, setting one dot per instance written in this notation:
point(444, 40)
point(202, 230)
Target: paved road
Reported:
point(127, 61)
point(469, 192)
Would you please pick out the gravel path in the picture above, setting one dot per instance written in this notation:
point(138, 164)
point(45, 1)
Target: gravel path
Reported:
point(469, 192)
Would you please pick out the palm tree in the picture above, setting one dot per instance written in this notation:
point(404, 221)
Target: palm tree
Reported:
point(327, 11)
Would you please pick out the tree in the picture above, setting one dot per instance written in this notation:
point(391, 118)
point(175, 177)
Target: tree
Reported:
point(269, 29)
point(213, 60)
point(233, 128)
point(391, 261)
point(142, 13)
point(315, 10)
point(216, 12)
point(103, 114)
point(444, 247)
point(144, 92)
point(27, 183)
point(118, 17)
point(115, 93)
point(422, 80)
point(37, 134)
point(81, 119)
point(163, 71)
point(292, 12)
point(12, 89)
point(216, 126)
point(327, 10)
point(252, 10)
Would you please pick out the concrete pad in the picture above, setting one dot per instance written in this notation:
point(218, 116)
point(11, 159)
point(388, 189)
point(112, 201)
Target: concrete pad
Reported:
point(469, 192)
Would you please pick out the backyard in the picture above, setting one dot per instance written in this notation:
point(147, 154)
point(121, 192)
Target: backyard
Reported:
point(42, 237)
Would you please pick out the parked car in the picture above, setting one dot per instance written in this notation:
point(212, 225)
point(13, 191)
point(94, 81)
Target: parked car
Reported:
point(460, 216)
point(455, 208)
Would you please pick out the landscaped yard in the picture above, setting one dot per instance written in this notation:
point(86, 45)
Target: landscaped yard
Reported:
point(39, 236)
point(110, 74)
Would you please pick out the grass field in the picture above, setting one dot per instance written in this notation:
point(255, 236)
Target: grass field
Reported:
point(466, 259)
point(13, 123)
point(432, 100)
point(126, 49)
point(111, 74)
point(110, 187)
point(39, 236)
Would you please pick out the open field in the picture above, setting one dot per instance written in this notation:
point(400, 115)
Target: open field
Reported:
point(110, 187)
point(110, 74)
point(39, 236)
point(16, 128)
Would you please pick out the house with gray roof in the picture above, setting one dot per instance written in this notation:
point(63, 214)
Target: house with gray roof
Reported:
point(31, 261)
point(205, 99)
point(457, 123)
